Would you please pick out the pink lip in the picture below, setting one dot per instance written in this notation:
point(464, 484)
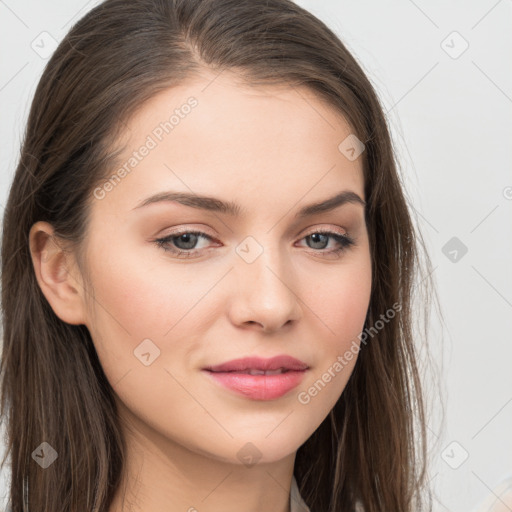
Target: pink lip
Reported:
point(258, 363)
point(259, 387)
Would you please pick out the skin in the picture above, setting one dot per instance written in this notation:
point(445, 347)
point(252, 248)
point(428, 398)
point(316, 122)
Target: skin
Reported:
point(272, 150)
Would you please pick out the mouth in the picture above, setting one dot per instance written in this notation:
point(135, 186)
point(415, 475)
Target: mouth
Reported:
point(259, 379)
point(256, 371)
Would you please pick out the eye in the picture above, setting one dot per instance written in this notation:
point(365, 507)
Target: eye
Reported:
point(184, 244)
point(320, 239)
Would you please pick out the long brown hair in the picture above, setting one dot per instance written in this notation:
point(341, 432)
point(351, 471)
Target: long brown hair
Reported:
point(372, 447)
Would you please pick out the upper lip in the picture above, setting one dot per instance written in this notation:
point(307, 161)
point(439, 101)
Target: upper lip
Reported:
point(258, 363)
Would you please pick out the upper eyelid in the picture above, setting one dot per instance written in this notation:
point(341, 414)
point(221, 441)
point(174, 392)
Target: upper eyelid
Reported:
point(168, 238)
point(327, 230)
point(204, 231)
point(201, 232)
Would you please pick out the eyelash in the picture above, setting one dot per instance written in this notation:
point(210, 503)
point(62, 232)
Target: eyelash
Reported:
point(344, 242)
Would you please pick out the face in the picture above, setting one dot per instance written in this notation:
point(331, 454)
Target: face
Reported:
point(185, 284)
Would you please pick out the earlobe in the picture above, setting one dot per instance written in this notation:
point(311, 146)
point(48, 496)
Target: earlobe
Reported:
point(56, 274)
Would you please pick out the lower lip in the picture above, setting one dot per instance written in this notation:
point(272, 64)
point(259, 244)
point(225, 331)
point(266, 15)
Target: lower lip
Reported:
point(259, 387)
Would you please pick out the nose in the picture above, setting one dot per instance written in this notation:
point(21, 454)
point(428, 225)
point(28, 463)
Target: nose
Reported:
point(264, 297)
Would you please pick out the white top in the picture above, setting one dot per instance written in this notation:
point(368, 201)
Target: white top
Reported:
point(500, 500)
point(297, 504)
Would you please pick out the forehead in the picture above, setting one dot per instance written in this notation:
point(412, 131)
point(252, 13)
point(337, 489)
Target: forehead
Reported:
point(216, 132)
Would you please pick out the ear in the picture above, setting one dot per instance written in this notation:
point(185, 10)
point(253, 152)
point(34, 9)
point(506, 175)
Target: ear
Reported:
point(57, 275)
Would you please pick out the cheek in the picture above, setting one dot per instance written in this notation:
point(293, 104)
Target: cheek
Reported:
point(145, 296)
point(340, 301)
point(134, 302)
point(340, 306)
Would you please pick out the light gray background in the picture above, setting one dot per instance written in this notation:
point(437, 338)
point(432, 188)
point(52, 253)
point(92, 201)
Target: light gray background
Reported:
point(450, 114)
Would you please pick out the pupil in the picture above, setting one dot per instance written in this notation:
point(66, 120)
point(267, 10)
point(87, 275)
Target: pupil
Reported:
point(188, 239)
point(315, 236)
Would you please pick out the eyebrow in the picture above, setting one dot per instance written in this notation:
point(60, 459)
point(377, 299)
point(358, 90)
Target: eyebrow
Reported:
point(230, 208)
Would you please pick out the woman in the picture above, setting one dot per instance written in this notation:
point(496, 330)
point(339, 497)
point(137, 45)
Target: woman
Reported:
point(208, 267)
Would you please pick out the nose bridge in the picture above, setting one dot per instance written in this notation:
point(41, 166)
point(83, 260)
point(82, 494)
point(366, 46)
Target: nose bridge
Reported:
point(264, 284)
